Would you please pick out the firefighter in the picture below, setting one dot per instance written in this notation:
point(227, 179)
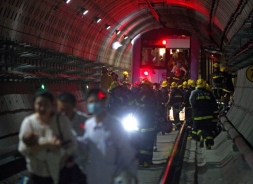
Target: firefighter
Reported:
point(217, 78)
point(186, 104)
point(145, 104)
point(227, 85)
point(175, 101)
point(124, 78)
point(117, 104)
point(204, 106)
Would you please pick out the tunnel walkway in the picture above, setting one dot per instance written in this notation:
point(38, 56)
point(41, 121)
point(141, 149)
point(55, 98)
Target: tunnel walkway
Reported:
point(149, 175)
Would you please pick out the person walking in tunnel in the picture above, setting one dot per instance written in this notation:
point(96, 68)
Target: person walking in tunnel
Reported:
point(227, 85)
point(217, 78)
point(204, 108)
point(110, 153)
point(175, 101)
point(106, 79)
point(186, 104)
point(125, 78)
point(118, 102)
point(45, 124)
point(145, 104)
point(66, 105)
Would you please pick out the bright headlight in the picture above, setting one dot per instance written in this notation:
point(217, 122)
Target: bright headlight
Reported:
point(130, 123)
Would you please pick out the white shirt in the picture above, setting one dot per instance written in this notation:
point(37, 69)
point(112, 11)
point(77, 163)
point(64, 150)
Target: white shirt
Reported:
point(47, 132)
point(109, 150)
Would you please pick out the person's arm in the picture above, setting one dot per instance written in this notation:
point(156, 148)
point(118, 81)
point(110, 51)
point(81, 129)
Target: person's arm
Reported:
point(26, 126)
point(68, 135)
point(173, 69)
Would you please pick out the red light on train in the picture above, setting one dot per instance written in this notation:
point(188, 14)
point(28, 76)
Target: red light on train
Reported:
point(145, 73)
point(164, 42)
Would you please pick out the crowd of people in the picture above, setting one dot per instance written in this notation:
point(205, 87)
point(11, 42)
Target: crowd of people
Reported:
point(63, 145)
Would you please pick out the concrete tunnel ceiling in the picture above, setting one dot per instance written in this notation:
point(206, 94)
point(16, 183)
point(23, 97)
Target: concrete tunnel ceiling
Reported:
point(62, 27)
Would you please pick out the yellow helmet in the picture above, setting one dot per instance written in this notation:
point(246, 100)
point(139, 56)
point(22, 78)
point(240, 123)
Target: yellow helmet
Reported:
point(185, 85)
point(222, 69)
point(208, 87)
point(201, 83)
point(173, 85)
point(191, 83)
point(125, 73)
point(113, 85)
point(216, 65)
point(164, 83)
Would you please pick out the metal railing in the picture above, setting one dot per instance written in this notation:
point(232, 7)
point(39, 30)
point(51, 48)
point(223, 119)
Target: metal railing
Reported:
point(172, 171)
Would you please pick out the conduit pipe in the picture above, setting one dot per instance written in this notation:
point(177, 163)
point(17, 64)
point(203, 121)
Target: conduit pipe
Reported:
point(240, 143)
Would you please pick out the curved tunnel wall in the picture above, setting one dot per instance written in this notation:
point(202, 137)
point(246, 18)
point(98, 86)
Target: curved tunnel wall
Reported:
point(241, 113)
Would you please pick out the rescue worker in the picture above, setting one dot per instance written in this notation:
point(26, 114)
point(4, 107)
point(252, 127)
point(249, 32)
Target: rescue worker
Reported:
point(191, 86)
point(106, 79)
point(125, 77)
point(227, 85)
point(115, 77)
point(217, 78)
point(175, 101)
point(145, 104)
point(165, 91)
point(117, 103)
point(204, 106)
point(186, 104)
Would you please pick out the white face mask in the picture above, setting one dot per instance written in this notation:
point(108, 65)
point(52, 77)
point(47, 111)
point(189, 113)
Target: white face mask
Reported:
point(95, 108)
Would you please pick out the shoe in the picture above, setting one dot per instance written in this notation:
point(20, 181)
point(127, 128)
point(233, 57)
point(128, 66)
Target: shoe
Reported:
point(155, 148)
point(145, 165)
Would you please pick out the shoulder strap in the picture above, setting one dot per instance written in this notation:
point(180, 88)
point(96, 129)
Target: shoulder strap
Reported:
point(58, 126)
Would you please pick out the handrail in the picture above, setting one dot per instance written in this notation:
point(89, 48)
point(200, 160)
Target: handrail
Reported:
point(169, 173)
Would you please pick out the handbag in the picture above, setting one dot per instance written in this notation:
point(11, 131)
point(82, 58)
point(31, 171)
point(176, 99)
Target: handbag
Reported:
point(69, 175)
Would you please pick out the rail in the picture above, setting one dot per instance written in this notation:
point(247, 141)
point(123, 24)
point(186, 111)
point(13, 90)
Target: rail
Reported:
point(172, 171)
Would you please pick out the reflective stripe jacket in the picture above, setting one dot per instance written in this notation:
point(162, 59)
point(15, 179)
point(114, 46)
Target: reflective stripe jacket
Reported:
point(145, 111)
point(203, 103)
point(187, 95)
point(176, 97)
point(217, 77)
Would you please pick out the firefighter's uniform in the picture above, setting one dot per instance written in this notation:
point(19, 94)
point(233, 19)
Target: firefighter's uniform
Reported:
point(175, 101)
point(204, 107)
point(145, 103)
point(227, 85)
point(186, 102)
point(117, 103)
point(217, 78)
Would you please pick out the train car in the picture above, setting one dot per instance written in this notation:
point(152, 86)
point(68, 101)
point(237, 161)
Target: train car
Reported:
point(157, 51)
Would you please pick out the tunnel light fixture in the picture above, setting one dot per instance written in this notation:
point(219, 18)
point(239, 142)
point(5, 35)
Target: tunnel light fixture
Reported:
point(97, 19)
point(67, 1)
point(117, 32)
point(84, 11)
point(107, 26)
point(125, 37)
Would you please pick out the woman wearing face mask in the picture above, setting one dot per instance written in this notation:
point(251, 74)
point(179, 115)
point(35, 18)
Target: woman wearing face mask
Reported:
point(109, 151)
point(44, 157)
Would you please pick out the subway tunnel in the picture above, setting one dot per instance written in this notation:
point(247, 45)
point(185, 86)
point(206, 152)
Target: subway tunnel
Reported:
point(59, 46)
